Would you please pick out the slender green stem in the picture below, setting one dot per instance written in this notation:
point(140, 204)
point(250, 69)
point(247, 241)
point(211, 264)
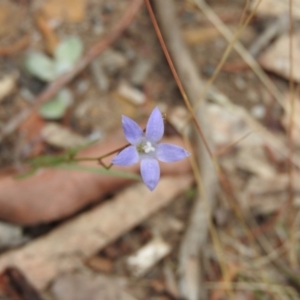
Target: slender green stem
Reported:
point(99, 158)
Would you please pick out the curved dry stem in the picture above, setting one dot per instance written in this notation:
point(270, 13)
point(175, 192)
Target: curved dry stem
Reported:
point(176, 77)
point(100, 158)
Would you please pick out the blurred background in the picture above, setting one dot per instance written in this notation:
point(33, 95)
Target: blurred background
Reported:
point(222, 224)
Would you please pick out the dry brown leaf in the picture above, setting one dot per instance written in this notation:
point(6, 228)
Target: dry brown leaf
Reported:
point(48, 33)
point(31, 133)
point(277, 57)
point(69, 245)
point(52, 194)
point(68, 10)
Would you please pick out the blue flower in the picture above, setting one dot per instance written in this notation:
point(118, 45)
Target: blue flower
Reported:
point(145, 148)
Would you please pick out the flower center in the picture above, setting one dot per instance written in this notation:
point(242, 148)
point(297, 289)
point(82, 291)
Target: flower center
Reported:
point(148, 147)
point(145, 147)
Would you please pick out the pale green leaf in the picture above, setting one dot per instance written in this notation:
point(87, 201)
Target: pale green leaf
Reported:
point(67, 54)
point(56, 108)
point(40, 66)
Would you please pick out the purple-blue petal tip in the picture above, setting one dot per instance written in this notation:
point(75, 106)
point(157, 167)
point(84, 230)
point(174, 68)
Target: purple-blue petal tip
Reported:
point(155, 126)
point(170, 153)
point(150, 172)
point(126, 157)
point(132, 130)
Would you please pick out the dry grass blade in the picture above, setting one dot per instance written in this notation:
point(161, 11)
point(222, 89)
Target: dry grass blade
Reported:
point(247, 57)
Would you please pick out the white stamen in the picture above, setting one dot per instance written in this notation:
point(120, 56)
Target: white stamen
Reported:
point(148, 147)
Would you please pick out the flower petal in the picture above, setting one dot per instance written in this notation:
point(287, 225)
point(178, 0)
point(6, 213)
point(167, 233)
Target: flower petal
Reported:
point(170, 153)
point(150, 172)
point(126, 157)
point(132, 130)
point(155, 126)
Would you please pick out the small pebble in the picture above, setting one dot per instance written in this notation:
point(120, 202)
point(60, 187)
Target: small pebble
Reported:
point(97, 26)
point(7, 85)
point(240, 83)
point(131, 94)
point(113, 61)
point(208, 70)
point(146, 257)
point(11, 235)
point(258, 111)
point(140, 72)
point(82, 86)
point(94, 136)
point(27, 95)
point(100, 76)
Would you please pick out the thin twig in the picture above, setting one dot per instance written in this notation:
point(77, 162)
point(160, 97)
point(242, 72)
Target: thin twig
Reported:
point(197, 232)
point(59, 83)
point(177, 79)
point(99, 158)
